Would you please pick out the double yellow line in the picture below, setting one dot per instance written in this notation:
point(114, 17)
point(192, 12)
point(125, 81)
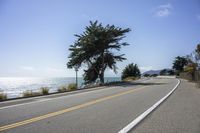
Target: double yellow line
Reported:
point(42, 117)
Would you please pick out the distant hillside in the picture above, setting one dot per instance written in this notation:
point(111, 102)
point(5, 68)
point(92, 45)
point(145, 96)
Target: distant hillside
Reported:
point(150, 72)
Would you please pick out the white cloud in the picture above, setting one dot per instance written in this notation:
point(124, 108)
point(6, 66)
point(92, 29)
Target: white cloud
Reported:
point(29, 68)
point(163, 10)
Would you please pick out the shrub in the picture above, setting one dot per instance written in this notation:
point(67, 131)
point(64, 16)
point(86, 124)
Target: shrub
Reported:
point(131, 70)
point(44, 90)
point(62, 88)
point(29, 93)
point(3, 96)
point(72, 87)
point(147, 75)
point(154, 75)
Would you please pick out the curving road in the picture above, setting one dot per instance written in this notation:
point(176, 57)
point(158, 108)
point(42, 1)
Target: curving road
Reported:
point(103, 110)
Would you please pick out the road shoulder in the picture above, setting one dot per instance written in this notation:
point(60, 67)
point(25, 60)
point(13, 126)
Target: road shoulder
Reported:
point(179, 113)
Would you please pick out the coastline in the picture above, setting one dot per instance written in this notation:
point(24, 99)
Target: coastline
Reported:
point(14, 87)
point(89, 88)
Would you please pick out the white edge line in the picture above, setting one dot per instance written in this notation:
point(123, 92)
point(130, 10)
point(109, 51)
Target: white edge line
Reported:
point(148, 111)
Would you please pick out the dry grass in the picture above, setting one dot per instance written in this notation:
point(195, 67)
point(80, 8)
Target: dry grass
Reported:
point(29, 93)
point(130, 78)
point(62, 88)
point(44, 90)
point(72, 87)
point(3, 96)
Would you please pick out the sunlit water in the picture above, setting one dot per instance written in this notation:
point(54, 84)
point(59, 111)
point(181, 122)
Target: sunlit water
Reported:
point(14, 87)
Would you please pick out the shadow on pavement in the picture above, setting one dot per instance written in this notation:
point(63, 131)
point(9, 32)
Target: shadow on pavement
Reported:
point(127, 84)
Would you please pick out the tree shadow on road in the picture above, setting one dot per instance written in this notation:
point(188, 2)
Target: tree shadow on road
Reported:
point(128, 84)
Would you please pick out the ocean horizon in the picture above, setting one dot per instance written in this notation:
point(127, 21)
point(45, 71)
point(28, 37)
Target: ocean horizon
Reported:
point(15, 86)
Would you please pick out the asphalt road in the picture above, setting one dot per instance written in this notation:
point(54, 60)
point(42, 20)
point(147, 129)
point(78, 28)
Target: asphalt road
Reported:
point(178, 114)
point(105, 110)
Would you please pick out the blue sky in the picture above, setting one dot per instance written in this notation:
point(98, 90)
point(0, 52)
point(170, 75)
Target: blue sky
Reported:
point(35, 34)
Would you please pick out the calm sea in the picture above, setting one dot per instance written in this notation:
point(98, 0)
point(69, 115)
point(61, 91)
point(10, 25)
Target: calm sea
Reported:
point(14, 87)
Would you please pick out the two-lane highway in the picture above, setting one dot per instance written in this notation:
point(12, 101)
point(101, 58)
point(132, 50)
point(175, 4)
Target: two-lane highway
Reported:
point(105, 110)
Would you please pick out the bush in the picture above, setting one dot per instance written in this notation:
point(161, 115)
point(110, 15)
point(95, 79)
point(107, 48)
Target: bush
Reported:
point(29, 93)
point(147, 75)
point(131, 70)
point(154, 75)
point(72, 87)
point(3, 96)
point(62, 88)
point(44, 90)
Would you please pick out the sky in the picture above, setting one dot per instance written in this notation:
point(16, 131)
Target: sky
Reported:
point(35, 34)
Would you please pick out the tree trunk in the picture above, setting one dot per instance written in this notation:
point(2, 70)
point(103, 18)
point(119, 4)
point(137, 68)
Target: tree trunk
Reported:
point(101, 77)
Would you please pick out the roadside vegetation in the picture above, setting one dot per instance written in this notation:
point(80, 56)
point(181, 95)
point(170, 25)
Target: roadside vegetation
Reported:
point(131, 72)
point(179, 63)
point(69, 87)
point(62, 88)
point(187, 67)
point(44, 90)
point(30, 93)
point(3, 96)
point(167, 72)
point(72, 87)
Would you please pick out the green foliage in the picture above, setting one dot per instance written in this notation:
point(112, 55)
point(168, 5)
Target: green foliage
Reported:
point(146, 75)
point(29, 93)
point(197, 50)
point(171, 72)
point(95, 48)
point(179, 63)
point(44, 90)
point(167, 72)
point(190, 68)
point(62, 88)
point(163, 72)
point(154, 75)
point(72, 87)
point(131, 70)
point(3, 96)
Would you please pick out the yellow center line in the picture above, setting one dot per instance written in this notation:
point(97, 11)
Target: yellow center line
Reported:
point(35, 119)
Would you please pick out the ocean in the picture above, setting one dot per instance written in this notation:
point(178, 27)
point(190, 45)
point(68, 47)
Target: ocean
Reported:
point(15, 86)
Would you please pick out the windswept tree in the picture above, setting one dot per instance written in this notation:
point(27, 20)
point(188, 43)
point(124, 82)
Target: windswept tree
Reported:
point(96, 48)
point(179, 63)
point(131, 70)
